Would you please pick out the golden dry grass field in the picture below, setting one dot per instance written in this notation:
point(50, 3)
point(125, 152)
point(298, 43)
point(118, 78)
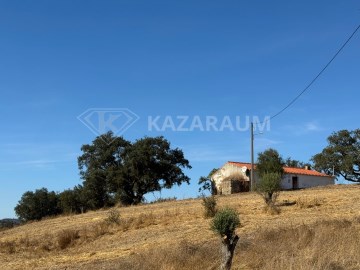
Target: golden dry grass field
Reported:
point(320, 231)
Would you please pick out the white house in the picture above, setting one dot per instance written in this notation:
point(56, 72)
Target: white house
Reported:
point(234, 177)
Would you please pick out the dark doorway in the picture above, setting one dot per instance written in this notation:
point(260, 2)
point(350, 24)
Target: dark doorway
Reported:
point(295, 182)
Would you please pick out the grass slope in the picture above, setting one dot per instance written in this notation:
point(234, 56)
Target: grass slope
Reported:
point(320, 231)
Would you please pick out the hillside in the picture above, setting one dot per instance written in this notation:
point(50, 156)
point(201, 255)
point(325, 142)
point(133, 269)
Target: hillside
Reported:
point(321, 231)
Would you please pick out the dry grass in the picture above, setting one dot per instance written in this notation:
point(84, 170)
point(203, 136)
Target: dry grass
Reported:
point(310, 247)
point(303, 247)
point(8, 247)
point(310, 234)
point(325, 245)
point(67, 237)
point(306, 202)
point(209, 204)
point(272, 209)
point(113, 216)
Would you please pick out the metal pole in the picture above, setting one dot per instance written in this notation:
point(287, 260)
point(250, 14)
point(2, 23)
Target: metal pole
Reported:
point(252, 180)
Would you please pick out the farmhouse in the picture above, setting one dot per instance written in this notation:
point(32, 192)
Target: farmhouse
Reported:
point(234, 177)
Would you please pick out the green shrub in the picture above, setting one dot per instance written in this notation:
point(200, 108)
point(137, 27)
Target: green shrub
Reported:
point(225, 222)
point(209, 204)
point(269, 187)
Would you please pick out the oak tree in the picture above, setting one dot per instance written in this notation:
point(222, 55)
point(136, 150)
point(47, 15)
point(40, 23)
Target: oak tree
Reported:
point(341, 156)
point(113, 169)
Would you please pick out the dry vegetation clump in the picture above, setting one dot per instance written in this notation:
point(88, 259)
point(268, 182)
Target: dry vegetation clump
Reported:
point(356, 219)
point(8, 247)
point(67, 237)
point(209, 204)
point(113, 216)
point(305, 202)
point(272, 209)
point(25, 241)
point(141, 221)
point(99, 229)
point(26, 244)
point(144, 220)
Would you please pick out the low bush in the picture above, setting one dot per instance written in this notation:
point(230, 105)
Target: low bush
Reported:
point(113, 217)
point(225, 222)
point(100, 229)
point(209, 204)
point(67, 237)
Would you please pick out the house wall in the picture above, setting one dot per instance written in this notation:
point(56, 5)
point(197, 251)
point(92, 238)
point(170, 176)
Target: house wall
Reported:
point(305, 181)
point(225, 172)
point(286, 182)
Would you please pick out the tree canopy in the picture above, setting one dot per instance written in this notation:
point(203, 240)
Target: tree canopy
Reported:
point(342, 155)
point(289, 162)
point(38, 204)
point(115, 169)
point(207, 183)
point(99, 165)
point(269, 161)
point(72, 200)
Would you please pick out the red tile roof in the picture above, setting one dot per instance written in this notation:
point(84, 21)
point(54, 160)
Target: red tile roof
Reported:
point(288, 170)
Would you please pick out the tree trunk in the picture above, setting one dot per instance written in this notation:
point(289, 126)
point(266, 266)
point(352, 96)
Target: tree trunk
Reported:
point(268, 198)
point(227, 251)
point(214, 190)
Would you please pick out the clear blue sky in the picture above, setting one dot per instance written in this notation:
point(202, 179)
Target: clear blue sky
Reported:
point(218, 58)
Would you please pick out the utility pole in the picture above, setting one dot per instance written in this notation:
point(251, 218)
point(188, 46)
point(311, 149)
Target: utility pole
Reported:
point(252, 180)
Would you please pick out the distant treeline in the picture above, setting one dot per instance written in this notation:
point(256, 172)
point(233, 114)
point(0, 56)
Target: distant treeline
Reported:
point(113, 170)
point(9, 222)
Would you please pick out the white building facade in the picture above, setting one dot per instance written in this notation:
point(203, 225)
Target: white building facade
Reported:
point(234, 177)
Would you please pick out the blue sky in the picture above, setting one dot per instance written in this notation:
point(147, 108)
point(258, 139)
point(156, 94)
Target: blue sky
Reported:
point(195, 58)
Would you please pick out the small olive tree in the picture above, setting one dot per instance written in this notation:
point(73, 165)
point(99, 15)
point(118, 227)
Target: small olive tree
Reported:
point(225, 223)
point(269, 187)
